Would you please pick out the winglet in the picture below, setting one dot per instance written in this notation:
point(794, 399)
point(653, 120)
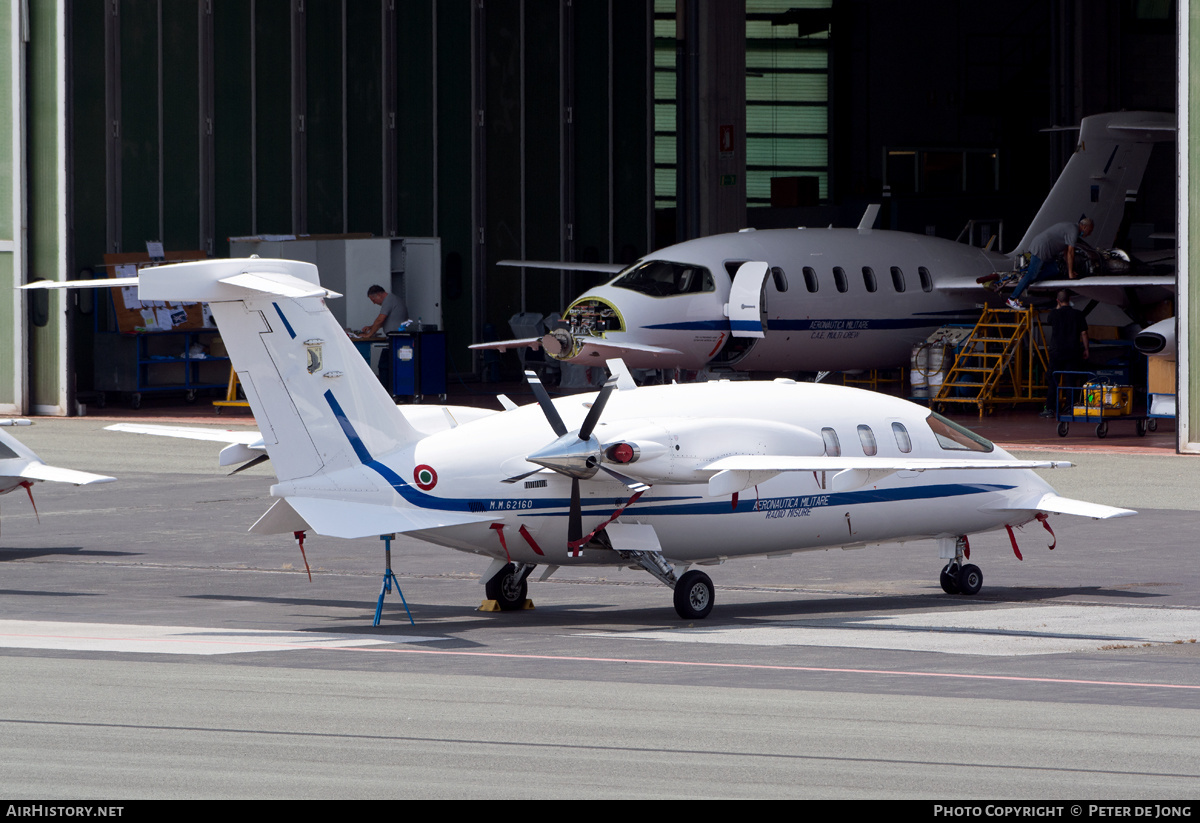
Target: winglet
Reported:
point(869, 217)
point(618, 369)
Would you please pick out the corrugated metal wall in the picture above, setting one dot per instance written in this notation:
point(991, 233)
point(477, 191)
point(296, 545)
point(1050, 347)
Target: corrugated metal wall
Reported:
point(493, 125)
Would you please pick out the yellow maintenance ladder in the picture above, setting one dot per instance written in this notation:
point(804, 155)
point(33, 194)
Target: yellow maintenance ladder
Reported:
point(995, 364)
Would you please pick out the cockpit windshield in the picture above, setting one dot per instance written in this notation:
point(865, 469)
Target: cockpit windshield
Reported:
point(954, 437)
point(660, 278)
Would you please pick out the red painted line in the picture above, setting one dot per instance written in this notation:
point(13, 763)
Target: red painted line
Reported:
point(764, 667)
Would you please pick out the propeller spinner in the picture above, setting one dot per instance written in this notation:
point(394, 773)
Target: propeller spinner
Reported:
point(577, 454)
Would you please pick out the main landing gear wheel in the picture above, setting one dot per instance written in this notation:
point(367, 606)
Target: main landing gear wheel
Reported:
point(694, 596)
point(508, 589)
point(949, 578)
point(970, 579)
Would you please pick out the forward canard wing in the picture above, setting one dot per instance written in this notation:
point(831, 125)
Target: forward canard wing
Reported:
point(1056, 504)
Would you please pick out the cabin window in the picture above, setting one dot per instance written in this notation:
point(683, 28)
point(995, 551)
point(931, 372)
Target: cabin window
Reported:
point(903, 441)
point(810, 279)
point(661, 278)
point(926, 279)
point(777, 274)
point(897, 279)
point(832, 447)
point(839, 280)
point(869, 279)
point(953, 437)
point(867, 438)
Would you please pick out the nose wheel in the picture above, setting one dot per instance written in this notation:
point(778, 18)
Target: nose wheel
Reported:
point(694, 596)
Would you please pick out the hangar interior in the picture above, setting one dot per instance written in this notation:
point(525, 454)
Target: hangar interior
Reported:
point(589, 130)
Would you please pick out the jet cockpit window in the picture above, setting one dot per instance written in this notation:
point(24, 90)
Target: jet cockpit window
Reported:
point(660, 278)
point(867, 438)
point(897, 279)
point(839, 280)
point(903, 441)
point(780, 278)
point(832, 447)
point(810, 279)
point(954, 437)
point(926, 279)
point(869, 279)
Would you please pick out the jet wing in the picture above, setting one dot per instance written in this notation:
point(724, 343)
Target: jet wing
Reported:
point(1121, 281)
point(791, 463)
point(40, 471)
point(743, 471)
point(606, 268)
point(534, 343)
point(609, 349)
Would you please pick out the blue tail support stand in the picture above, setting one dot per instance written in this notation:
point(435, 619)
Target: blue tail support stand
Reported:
point(388, 579)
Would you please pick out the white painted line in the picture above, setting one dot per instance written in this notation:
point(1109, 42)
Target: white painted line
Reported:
point(116, 637)
point(1021, 630)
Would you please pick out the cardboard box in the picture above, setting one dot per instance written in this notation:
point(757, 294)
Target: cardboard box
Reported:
point(1160, 375)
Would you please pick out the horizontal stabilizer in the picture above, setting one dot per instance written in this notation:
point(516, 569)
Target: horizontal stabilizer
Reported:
point(341, 518)
point(607, 268)
point(246, 437)
point(40, 471)
point(101, 283)
point(278, 283)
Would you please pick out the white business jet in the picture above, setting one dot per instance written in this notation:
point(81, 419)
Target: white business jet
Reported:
point(836, 299)
point(658, 478)
point(21, 468)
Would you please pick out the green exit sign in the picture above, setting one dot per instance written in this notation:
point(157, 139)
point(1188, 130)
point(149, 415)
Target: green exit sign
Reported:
point(728, 179)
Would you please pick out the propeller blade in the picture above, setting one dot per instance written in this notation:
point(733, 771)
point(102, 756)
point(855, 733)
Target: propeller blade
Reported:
point(543, 398)
point(593, 415)
point(630, 483)
point(575, 521)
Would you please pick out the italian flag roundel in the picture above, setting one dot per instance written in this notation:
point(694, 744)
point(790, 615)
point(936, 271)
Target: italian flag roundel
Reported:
point(425, 477)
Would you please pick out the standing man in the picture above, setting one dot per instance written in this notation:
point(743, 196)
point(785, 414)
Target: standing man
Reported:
point(1068, 346)
point(1043, 251)
point(392, 312)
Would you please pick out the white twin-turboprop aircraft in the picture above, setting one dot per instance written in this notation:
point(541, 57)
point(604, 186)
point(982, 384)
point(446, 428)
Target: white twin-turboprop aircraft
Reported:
point(658, 478)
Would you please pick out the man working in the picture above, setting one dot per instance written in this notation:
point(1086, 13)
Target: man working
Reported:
point(392, 312)
point(1068, 346)
point(1043, 251)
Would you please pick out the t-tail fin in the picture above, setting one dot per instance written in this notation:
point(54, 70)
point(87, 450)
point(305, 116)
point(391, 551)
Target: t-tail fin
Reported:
point(1106, 169)
point(306, 383)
